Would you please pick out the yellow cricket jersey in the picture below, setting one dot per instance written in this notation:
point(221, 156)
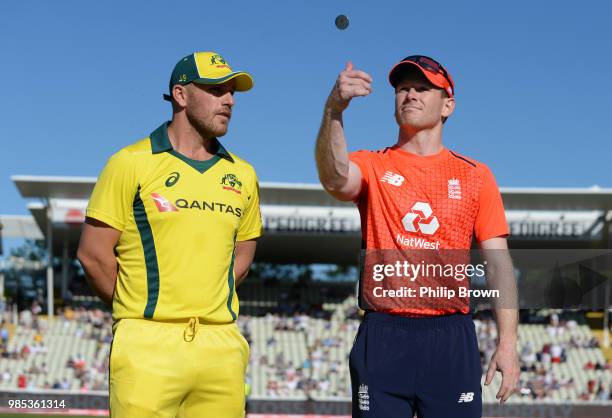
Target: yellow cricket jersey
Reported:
point(180, 220)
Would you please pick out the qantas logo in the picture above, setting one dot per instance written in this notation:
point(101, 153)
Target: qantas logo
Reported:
point(204, 205)
point(163, 205)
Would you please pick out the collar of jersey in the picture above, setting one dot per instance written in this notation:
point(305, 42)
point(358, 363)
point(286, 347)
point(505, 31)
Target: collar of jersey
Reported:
point(419, 160)
point(161, 143)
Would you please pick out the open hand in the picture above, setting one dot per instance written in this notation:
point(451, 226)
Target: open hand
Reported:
point(504, 360)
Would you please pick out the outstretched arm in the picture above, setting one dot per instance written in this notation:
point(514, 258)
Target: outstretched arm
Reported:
point(338, 175)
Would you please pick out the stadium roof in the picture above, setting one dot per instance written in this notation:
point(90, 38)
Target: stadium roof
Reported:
point(54, 187)
point(533, 198)
point(47, 187)
point(19, 226)
point(304, 224)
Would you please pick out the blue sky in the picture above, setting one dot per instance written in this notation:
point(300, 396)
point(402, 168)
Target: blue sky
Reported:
point(83, 79)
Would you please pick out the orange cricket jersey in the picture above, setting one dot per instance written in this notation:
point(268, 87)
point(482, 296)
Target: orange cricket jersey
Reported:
point(437, 202)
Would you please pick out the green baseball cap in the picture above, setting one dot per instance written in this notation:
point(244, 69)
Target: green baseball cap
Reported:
point(206, 68)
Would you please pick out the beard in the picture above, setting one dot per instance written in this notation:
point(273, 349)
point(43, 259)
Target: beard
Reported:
point(206, 129)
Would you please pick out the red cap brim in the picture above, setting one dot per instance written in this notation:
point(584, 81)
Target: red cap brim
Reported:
point(436, 79)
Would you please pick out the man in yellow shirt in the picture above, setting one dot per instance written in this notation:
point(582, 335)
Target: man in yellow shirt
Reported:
point(170, 231)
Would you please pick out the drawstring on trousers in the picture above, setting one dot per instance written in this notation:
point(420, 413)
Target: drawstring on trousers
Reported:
point(191, 330)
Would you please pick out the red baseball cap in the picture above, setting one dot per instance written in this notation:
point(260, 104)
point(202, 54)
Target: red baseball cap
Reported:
point(432, 69)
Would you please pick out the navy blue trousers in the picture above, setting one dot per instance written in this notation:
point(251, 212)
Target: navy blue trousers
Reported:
point(429, 366)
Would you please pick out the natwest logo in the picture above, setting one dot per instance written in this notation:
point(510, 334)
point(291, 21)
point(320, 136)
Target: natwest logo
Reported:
point(163, 205)
point(420, 218)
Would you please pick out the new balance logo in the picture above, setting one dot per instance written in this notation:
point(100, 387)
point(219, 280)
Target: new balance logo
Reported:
point(466, 397)
point(163, 205)
point(364, 398)
point(392, 178)
point(420, 218)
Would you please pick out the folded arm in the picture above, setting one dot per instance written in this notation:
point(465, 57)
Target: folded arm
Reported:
point(97, 256)
point(245, 252)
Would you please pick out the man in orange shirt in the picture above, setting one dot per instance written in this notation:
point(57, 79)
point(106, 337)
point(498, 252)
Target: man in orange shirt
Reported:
point(418, 195)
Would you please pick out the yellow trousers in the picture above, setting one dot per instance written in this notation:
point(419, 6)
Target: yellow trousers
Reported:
point(183, 368)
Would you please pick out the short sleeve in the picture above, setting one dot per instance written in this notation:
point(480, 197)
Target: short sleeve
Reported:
point(491, 217)
point(362, 160)
point(112, 199)
point(250, 224)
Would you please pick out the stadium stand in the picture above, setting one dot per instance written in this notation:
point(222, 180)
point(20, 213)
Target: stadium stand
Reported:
point(68, 353)
point(296, 354)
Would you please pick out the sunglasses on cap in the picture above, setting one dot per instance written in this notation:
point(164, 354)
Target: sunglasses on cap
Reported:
point(431, 65)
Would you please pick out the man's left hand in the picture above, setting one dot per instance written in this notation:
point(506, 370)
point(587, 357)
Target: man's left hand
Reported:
point(504, 360)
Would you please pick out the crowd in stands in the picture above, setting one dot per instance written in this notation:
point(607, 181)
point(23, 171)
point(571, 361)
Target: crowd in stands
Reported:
point(284, 377)
point(91, 375)
point(318, 371)
point(539, 377)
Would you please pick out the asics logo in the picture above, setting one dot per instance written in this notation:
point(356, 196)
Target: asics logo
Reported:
point(172, 179)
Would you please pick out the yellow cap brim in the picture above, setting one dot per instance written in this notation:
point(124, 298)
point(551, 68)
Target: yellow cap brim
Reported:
point(244, 81)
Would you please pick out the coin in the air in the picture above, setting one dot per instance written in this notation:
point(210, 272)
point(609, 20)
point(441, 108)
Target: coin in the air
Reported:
point(342, 22)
